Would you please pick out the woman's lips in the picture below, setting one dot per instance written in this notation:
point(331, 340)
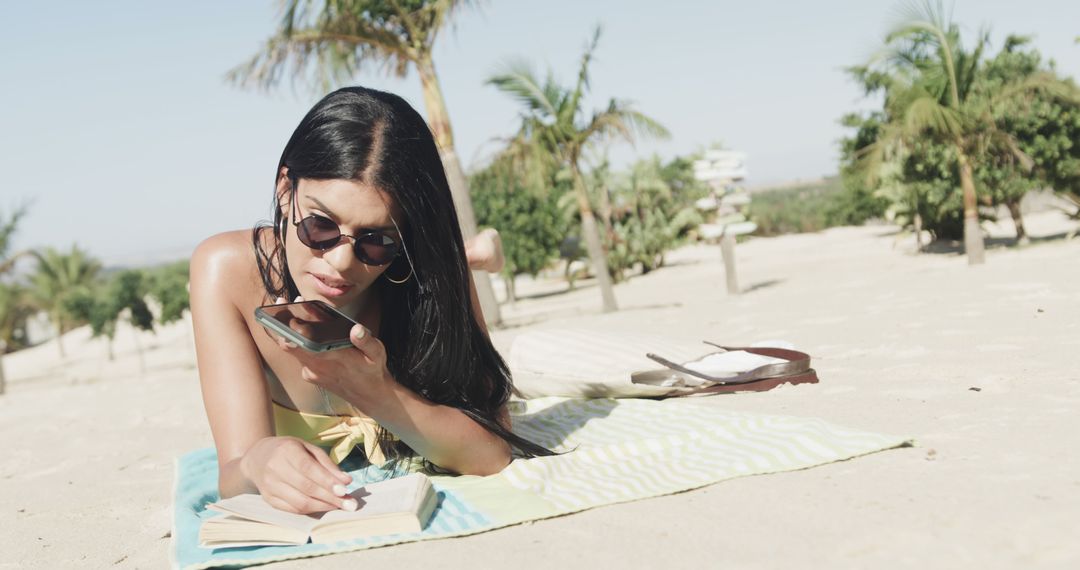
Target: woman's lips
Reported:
point(330, 287)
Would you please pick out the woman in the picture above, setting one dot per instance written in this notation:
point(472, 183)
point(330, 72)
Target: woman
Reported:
point(365, 222)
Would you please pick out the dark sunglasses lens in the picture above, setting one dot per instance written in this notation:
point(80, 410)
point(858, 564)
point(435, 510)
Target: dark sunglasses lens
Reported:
point(318, 232)
point(376, 249)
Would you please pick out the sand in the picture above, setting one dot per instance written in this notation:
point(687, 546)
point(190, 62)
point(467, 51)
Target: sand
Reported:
point(977, 363)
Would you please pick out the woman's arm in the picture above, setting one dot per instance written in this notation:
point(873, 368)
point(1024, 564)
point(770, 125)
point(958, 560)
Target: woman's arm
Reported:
point(251, 459)
point(442, 434)
point(234, 393)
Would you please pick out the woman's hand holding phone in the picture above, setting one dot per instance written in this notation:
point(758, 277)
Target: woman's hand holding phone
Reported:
point(357, 376)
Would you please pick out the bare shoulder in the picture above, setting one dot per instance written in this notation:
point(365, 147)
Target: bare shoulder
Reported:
point(226, 262)
point(223, 251)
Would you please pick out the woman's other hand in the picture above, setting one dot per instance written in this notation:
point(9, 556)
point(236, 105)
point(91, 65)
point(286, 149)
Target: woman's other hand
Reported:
point(296, 476)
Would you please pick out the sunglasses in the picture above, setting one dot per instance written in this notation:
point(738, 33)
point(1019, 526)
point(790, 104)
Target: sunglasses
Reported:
point(372, 247)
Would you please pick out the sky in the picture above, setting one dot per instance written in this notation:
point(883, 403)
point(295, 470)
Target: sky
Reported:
point(119, 130)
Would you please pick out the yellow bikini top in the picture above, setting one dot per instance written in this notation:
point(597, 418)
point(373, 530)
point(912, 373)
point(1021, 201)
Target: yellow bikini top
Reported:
point(340, 433)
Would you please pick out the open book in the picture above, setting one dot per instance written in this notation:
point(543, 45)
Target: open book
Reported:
point(402, 504)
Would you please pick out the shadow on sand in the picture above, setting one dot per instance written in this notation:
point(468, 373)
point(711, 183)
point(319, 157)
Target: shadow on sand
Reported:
point(956, 247)
point(578, 286)
point(762, 285)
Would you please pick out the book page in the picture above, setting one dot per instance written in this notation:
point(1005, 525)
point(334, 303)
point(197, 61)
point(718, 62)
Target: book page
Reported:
point(232, 531)
point(400, 495)
point(256, 508)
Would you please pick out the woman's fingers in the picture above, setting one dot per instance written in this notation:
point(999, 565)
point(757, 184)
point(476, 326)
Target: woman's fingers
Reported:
point(320, 485)
point(293, 476)
point(316, 488)
point(328, 463)
point(367, 343)
point(289, 498)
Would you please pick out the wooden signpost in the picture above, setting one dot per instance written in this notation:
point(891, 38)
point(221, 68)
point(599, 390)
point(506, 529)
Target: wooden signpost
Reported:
point(721, 169)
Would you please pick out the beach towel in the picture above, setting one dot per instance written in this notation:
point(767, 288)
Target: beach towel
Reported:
point(580, 363)
point(616, 451)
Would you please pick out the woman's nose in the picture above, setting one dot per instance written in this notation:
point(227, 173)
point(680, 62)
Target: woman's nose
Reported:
point(341, 256)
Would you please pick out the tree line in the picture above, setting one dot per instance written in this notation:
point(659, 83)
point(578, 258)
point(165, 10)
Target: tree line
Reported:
point(73, 289)
point(960, 131)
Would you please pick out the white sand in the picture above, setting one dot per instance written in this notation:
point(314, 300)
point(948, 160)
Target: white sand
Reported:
point(899, 342)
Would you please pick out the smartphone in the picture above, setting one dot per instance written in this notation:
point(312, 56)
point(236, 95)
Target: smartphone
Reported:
point(312, 325)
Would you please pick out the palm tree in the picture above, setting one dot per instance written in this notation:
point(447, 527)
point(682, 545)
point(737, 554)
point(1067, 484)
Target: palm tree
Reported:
point(555, 125)
point(330, 42)
point(928, 92)
point(932, 87)
point(12, 298)
point(59, 276)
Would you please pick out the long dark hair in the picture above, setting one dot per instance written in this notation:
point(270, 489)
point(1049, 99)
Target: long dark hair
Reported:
point(434, 344)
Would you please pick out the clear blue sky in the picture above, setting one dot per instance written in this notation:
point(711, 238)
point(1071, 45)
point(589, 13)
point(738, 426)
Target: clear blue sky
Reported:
point(116, 122)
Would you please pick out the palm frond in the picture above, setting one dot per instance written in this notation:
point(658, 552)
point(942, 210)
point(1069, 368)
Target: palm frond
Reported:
point(582, 85)
point(873, 160)
point(8, 263)
point(914, 13)
point(1043, 81)
point(316, 58)
point(927, 23)
point(518, 79)
point(325, 44)
point(8, 228)
point(638, 122)
point(1011, 148)
point(928, 114)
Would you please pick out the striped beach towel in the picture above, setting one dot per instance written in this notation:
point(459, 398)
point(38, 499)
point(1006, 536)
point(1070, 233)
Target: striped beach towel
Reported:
point(615, 451)
point(579, 363)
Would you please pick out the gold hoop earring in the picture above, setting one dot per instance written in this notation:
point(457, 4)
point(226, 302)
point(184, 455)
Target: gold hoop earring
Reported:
point(396, 282)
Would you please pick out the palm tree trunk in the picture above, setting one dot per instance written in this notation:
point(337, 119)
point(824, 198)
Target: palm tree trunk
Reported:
point(592, 243)
point(139, 350)
point(511, 289)
point(3, 379)
point(439, 120)
point(973, 240)
point(916, 219)
point(606, 213)
point(59, 334)
point(1018, 220)
point(918, 233)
